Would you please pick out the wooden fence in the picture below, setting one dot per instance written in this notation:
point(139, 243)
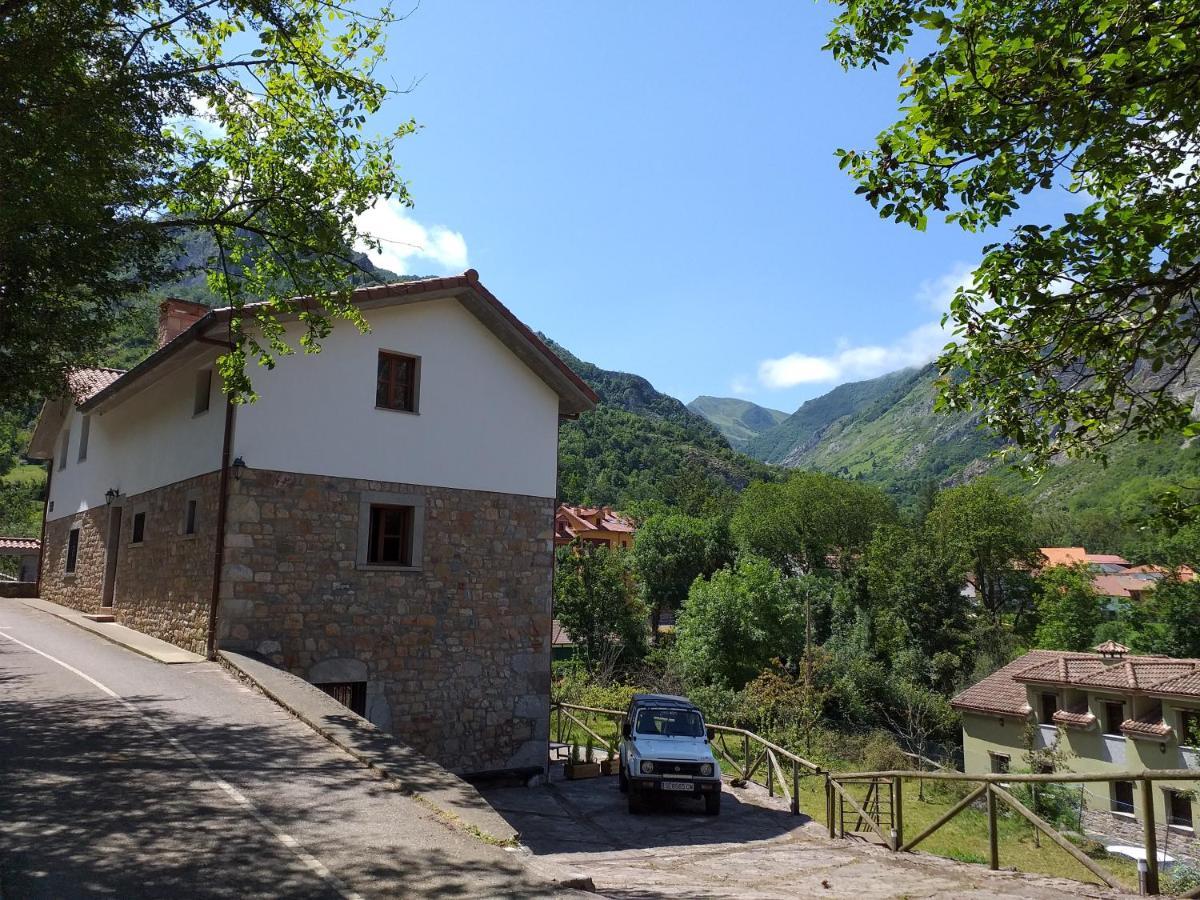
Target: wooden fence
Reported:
point(881, 811)
point(780, 769)
point(874, 816)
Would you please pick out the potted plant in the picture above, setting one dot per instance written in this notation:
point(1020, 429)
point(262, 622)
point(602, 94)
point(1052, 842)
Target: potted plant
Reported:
point(610, 765)
point(577, 769)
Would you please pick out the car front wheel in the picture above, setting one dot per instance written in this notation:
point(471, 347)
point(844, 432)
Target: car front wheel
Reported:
point(712, 804)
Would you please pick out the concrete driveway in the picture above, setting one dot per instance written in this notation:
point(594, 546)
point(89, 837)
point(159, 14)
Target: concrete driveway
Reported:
point(125, 777)
point(755, 850)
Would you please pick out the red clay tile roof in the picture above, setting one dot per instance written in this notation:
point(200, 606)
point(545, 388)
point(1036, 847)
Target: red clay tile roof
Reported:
point(1106, 558)
point(558, 635)
point(87, 383)
point(1150, 725)
point(21, 544)
point(999, 693)
point(1004, 691)
point(1066, 668)
point(1063, 556)
point(572, 521)
point(1074, 718)
point(1121, 585)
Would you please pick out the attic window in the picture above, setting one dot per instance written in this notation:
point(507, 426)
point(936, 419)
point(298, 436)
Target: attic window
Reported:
point(203, 392)
point(396, 382)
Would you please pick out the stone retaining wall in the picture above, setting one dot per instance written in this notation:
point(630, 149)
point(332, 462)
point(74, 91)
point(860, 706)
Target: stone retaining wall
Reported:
point(18, 589)
point(163, 584)
point(456, 653)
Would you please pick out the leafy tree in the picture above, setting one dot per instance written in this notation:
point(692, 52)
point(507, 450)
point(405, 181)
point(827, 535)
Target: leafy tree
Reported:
point(597, 602)
point(919, 596)
point(126, 123)
point(739, 620)
point(1071, 334)
point(1069, 609)
point(801, 523)
point(1167, 621)
point(982, 532)
point(672, 551)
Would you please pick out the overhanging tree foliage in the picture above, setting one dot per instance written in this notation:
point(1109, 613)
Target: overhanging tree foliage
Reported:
point(123, 122)
point(1077, 333)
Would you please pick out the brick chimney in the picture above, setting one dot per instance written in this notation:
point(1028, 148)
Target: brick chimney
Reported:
point(177, 316)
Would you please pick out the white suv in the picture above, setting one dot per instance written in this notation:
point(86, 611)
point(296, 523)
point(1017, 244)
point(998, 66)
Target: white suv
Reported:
point(665, 749)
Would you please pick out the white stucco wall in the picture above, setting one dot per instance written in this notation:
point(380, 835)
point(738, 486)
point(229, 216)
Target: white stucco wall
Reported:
point(486, 421)
point(148, 441)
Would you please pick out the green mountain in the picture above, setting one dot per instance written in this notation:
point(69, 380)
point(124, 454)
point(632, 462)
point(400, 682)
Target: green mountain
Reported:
point(806, 426)
point(640, 445)
point(885, 431)
point(738, 420)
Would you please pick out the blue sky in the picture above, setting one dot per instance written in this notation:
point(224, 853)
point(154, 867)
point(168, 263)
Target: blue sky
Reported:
point(654, 186)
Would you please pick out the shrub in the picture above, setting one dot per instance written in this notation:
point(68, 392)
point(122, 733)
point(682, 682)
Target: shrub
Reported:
point(1181, 879)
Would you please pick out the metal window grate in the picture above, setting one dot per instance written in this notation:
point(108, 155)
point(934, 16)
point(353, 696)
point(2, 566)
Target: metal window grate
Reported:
point(351, 694)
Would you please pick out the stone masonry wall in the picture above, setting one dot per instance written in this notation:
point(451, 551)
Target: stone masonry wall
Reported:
point(164, 584)
point(456, 655)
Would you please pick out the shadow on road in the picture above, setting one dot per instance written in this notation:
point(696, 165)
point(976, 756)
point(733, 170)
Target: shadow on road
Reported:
point(95, 801)
point(592, 815)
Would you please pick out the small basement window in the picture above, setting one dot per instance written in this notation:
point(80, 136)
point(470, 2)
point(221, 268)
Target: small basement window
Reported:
point(139, 528)
point(390, 540)
point(351, 694)
point(189, 518)
point(396, 382)
point(1000, 763)
point(85, 430)
point(72, 551)
point(203, 392)
point(1122, 797)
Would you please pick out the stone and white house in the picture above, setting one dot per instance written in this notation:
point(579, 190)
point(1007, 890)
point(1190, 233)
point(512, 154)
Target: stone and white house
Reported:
point(380, 522)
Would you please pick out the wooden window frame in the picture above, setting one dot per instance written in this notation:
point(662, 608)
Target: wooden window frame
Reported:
point(378, 535)
point(371, 499)
point(1115, 802)
point(1173, 796)
point(1043, 719)
point(1107, 721)
point(411, 403)
point(994, 758)
point(1189, 735)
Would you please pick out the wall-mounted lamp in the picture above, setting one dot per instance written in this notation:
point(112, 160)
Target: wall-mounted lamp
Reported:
point(239, 466)
point(110, 495)
point(1162, 747)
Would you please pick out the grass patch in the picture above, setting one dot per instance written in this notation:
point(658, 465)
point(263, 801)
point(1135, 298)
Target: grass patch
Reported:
point(26, 474)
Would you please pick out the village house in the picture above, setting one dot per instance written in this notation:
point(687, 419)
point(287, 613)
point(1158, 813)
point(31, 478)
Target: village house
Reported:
point(592, 525)
point(380, 522)
point(24, 552)
point(1114, 578)
point(1106, 711)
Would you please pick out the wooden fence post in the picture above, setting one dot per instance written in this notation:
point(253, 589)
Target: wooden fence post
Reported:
point(795, 788)
point(898, 811)
point(829, 806)
point(746, 757)
point(1149, 836)
point(993, 836)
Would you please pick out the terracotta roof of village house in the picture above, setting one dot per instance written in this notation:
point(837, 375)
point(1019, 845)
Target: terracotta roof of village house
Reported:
point(86, 383)
point(1074, 718)
point(999, 693)
point(570, 521)
point(1004, 691)
point(1148, 725)
point(12, 543)
point(1121, 585)
point(490, 311)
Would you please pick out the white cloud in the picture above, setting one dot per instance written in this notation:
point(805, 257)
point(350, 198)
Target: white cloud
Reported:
point(409, 245)
point(741, 386)
point(850, 361)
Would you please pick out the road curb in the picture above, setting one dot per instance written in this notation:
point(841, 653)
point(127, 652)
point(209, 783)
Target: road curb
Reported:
point(452, 799)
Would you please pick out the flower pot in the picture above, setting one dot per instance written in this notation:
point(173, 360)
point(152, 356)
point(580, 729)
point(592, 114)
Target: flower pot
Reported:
point(610, 766)
point(575, 771)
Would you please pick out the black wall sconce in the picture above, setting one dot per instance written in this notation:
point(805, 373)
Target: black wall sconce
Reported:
point(239, 466)
point(110, 495)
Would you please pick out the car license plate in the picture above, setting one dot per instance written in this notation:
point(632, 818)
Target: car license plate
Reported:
point(678, 786)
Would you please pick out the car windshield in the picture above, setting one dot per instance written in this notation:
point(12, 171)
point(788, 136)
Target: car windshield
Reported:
point(669, 721)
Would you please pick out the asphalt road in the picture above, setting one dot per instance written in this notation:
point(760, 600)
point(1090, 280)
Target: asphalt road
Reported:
point(124, 777)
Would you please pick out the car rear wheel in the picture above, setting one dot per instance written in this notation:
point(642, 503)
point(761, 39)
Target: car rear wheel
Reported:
point(712, 804)
point(622, 781)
